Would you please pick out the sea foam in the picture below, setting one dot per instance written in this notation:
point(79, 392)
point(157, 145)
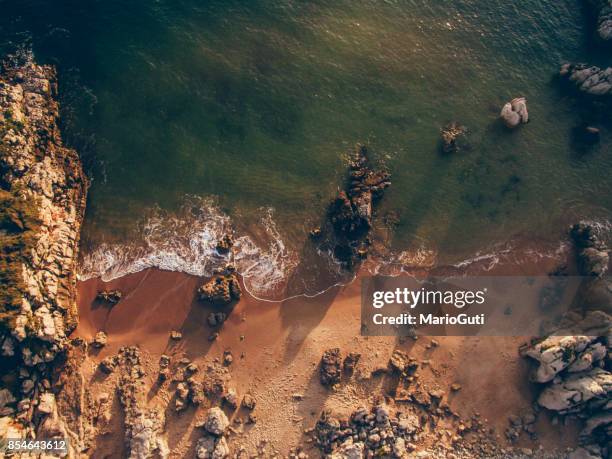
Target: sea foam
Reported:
point(186, 242)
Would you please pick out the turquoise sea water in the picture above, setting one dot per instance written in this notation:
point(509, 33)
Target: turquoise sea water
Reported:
point(254, 104)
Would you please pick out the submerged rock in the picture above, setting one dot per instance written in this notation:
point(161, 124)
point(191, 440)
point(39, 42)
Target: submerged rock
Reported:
point(515, 112)
point(450, 135)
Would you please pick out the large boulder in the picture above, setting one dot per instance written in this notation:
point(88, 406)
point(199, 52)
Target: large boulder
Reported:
point(555, 354)
point(515, 112)
point(216, 422)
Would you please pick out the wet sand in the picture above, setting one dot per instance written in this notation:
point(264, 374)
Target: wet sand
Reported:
point(277, 347)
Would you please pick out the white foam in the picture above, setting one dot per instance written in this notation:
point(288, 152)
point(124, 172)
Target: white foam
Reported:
point(186, 242)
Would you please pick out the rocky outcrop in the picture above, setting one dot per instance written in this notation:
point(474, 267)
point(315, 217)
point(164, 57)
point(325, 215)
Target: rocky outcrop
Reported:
point(515, 112)
point(588, 79)
point(143, 427)
point(351, 213)
point(222, 288)
point(42, 202)
point(592, 254)
point(577, 379)
point(603, 11)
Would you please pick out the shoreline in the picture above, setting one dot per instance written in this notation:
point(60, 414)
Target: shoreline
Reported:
point(279, 353)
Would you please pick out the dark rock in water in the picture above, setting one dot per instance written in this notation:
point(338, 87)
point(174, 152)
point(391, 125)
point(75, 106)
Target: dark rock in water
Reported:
point(588, 79)
point(350, 214)
point(331, 364)
point(592, 254)
point(585, 135)
point(111, 297)
point(315, 233)
point(450, 134)
point(222, 288)
point(603, 10)
point(225, 244)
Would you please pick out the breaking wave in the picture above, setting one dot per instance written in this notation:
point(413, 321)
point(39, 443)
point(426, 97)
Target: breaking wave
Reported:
point(186, 242)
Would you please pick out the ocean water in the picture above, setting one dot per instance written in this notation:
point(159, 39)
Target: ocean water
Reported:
point(194, 117)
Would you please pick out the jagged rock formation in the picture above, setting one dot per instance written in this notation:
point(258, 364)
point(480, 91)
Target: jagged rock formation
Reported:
point(574, 366)
point(143, 427)
point(515, 112)
point(42, 202)
point(603, 10)
point(578, 380)
point(350, 214)
point(222, 288)
point(588, 79)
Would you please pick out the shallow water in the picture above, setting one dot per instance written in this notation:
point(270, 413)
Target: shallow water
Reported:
point(255, 104)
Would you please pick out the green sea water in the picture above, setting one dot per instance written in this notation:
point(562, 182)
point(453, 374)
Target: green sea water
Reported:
point(255, 104)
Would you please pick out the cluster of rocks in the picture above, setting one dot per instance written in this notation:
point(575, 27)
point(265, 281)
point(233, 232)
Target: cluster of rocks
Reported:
point(367, 433)
point(213, 444)
point(588, 79)
point(350, 214)
point(410, 417)
point(603, 10)
point(575, 372)
point(451, 135)
point(42, 202)
point(222, 288)
point(514, 113)
point(574, 366)
point(144, 437)
point(332, 366)
point(188, 389)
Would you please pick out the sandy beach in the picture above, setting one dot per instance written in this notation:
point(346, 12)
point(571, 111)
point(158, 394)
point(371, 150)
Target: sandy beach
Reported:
point(277, 347)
